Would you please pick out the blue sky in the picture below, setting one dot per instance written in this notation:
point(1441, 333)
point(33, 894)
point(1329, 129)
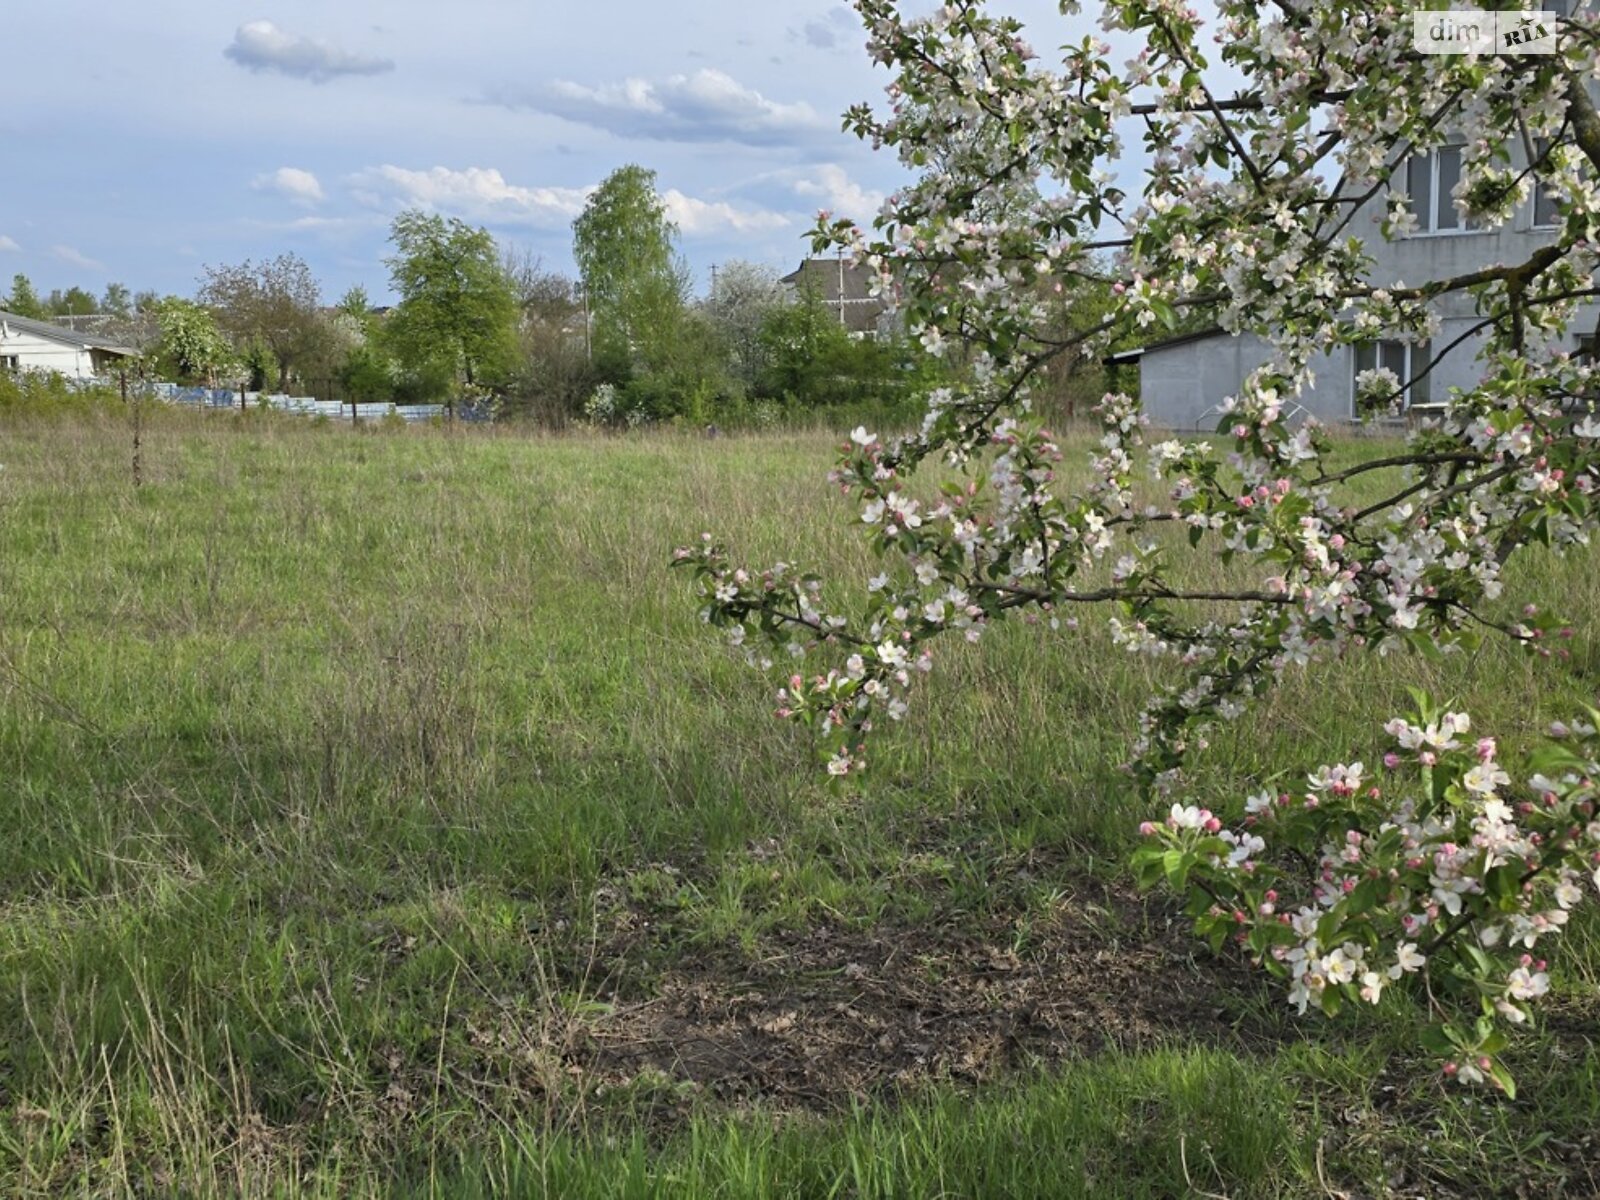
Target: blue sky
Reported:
point(146, 140)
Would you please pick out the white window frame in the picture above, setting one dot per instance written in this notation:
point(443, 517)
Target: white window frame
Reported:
point(10, 362)
point(1412, 355)
point(1438, 199)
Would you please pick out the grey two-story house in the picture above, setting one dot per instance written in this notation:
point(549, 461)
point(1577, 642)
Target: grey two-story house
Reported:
point(1183, 381)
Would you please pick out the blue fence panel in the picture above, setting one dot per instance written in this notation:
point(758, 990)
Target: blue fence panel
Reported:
point(339, 410)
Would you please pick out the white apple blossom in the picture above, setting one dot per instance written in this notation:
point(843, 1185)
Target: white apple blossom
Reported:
point(1414, 884)
point(1020, 183)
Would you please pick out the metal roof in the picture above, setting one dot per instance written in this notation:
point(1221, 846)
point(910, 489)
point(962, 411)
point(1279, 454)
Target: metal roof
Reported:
point(828, 273)
point(858, 308)
point(60, 333)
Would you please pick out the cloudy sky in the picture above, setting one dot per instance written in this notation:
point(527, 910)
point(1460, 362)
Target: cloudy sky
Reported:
point(146, 140)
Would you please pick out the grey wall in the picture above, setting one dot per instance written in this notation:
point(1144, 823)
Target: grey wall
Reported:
point(1182, 386)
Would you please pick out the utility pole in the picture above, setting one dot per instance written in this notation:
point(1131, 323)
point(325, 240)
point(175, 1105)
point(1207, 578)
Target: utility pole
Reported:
point(842, 324)
point(713, 281)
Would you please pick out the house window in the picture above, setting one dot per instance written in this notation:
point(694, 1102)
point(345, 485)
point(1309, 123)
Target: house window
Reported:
point(1585, 350)
point(1544, 204)
point(10, 362)
point(1429, 180)
point(1406, 360)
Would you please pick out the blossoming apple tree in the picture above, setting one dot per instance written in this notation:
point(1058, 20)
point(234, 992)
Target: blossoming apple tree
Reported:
point(1264, 132)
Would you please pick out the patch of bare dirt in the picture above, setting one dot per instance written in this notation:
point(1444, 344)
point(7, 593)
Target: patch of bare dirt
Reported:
point(834, 1013)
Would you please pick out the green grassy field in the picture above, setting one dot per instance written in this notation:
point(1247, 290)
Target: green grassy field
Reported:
point(378, 819)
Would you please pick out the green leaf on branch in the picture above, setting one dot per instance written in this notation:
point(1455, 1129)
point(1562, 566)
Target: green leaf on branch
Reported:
point(1176, 864)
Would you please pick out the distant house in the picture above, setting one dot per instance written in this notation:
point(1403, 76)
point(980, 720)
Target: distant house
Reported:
point(1184, 381)
point(29, 345)
point(138, 330)
point(843, 291)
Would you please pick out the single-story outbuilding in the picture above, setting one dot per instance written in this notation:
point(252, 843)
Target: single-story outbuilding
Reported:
point(1183, 381)
point(30, 345)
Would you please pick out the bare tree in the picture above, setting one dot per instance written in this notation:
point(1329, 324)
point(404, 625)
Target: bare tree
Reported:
point(276, 305)
point(552, 377)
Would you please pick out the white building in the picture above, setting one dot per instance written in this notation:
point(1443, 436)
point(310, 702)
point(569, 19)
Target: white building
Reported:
point(1183, 381)
point(29, 345)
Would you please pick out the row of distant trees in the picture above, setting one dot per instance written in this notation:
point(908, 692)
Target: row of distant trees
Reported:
point(487, 323)
point(116, 301)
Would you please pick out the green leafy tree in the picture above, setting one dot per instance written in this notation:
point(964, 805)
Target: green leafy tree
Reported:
point(367, 375)
point(365, 371)
point(809, 359)
point(260, 368)
point(74, 302)
point(192, 349)
point(356, 303)
point(802, 345)
point(455, 324)
point(689, 380)
point(636, 284)
point(118, 300)
point(24, 301)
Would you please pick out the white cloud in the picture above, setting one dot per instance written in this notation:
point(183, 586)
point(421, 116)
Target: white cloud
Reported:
point(477, 193)
point(262, 46)
point(835, 191)
point(484, 194)
point(708, 218)
point(293, 184)
point(707, 106)
point(808, 189)
point(77, 258)
point(8, 244)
